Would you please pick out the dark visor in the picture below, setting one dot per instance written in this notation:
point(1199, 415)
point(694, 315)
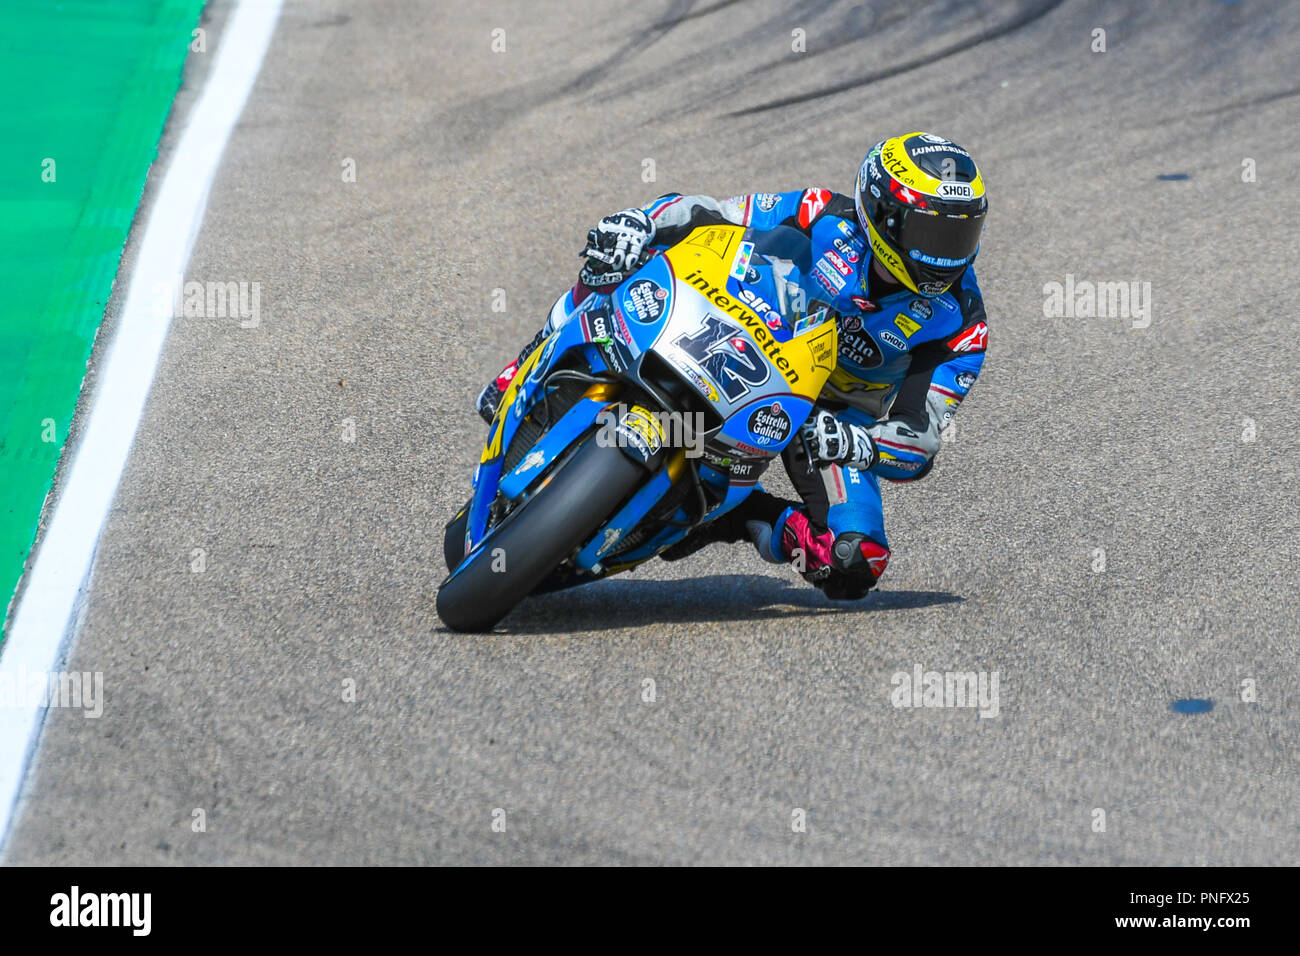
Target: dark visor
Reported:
point(937, 240)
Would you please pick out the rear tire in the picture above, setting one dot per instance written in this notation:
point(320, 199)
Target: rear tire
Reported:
point(533, 541)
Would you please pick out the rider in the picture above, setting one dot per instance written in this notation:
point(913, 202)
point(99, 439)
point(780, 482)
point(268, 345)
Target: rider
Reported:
point(895, 263)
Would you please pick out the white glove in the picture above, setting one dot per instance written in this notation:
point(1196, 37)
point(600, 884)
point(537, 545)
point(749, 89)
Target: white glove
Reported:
point(617, 247)
point(842, 443)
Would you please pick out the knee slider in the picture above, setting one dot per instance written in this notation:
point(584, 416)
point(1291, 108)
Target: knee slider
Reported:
point(853, 549)
point(858, 563)
point(854, 552)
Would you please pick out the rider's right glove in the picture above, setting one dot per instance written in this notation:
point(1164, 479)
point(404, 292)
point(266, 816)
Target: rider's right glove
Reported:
point(616, 248)
point(841, 443)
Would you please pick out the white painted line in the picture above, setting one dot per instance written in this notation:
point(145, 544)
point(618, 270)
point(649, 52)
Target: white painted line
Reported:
point(44, 619)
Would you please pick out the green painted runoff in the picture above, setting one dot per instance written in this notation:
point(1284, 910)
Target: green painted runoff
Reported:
point(86, 86)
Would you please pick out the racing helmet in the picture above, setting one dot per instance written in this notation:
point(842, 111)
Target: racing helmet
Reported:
point(920, 200)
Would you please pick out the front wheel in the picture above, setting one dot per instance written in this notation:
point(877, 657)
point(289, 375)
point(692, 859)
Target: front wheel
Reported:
point(533, 540)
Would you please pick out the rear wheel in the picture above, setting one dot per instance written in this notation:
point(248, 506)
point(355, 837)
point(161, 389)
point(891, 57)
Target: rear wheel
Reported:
point(535, 538)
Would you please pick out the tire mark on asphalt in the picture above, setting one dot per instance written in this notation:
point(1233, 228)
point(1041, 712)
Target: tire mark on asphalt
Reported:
point(759, 32)
point(1253, 101)
point(695, 14)
point(1026, 18)
point(502, 107)
point(639, 43)
point(1237, 106)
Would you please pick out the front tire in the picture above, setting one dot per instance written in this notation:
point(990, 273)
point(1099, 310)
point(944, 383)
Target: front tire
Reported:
point(533, 540)
point(453, 539)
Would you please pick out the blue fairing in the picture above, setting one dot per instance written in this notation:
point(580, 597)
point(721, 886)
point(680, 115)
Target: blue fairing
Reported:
point(488, 475)
point(610, 335)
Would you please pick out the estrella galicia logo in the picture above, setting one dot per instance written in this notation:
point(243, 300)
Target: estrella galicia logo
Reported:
point(921, 308)
point(889, 338)
point(861, 349)
point(647, 299)
point(769, 425)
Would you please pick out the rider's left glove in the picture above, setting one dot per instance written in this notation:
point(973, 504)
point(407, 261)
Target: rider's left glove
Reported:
point(617, 247)
point(842, 443)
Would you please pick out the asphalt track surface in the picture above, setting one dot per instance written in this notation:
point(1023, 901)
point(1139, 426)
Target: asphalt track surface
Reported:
point(479, 171)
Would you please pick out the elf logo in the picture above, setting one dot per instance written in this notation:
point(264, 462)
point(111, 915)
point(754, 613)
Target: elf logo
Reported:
point(761, 306)
point(103, 909)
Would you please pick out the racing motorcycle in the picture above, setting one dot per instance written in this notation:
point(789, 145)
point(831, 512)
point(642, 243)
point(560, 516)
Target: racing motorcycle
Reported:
point(653, 410)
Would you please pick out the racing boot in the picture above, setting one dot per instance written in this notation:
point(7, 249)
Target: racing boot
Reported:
point(844, 567)
point(490, 397)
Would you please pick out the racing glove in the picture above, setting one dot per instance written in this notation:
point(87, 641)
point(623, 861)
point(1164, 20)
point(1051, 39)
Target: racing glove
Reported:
point(832, 441)
point(617, 247)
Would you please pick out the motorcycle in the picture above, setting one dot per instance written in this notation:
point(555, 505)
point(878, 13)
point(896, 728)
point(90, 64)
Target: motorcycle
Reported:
point(651, 411)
